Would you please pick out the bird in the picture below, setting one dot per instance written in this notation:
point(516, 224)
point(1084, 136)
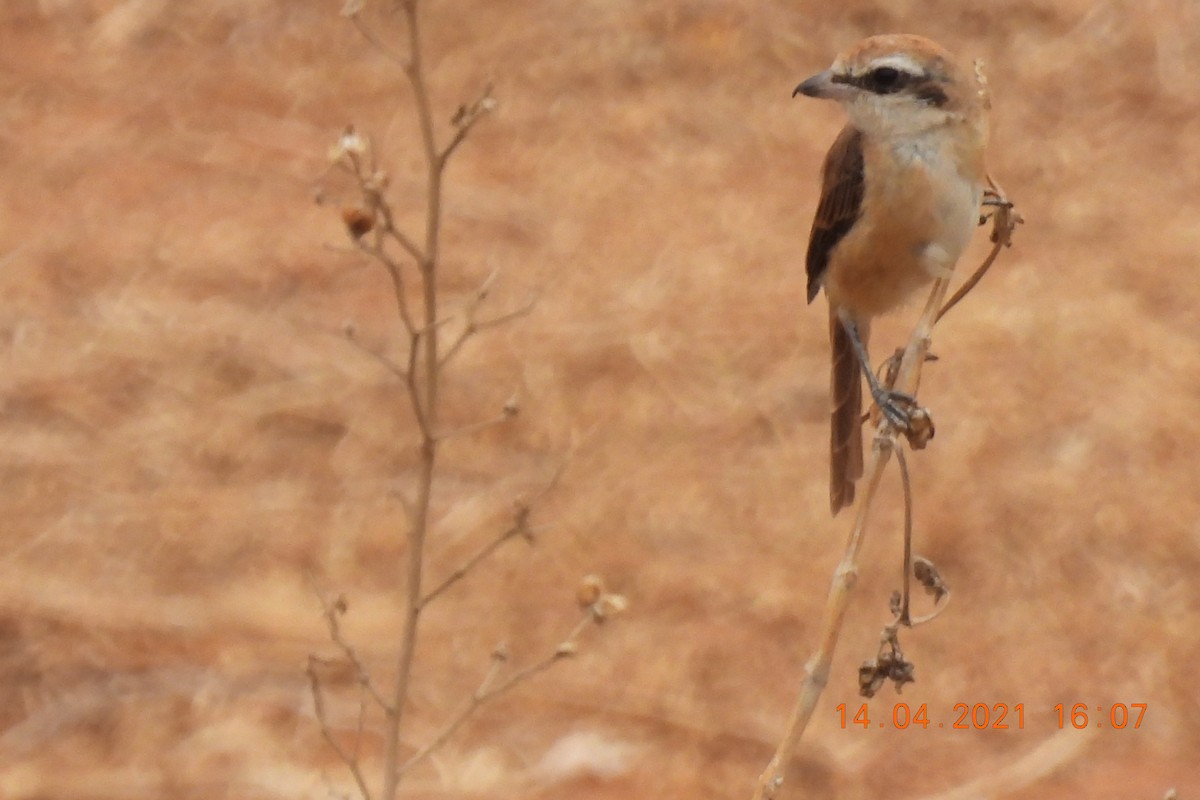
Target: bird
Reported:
point(901, 192)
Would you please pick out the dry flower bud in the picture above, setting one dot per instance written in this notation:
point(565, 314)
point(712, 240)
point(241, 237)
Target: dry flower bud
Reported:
point(590, 590)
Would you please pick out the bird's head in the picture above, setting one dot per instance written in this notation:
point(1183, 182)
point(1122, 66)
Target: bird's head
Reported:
point(898, 84)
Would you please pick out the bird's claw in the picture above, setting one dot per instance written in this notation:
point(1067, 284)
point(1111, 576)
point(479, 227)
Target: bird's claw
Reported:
point(896, 407)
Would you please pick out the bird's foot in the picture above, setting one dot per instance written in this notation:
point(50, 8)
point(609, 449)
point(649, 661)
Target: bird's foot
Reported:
point(897, 407)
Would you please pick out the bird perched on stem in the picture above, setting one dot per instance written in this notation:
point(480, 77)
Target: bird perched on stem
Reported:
point(901, 189)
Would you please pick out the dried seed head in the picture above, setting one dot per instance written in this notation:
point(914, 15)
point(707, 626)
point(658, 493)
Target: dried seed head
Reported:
point(920, 428)
point(358, 221)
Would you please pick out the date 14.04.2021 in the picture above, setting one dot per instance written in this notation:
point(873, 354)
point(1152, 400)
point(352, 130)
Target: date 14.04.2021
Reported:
point(997, 716)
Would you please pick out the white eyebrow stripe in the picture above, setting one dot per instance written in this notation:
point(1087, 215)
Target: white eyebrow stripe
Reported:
point(898, 61)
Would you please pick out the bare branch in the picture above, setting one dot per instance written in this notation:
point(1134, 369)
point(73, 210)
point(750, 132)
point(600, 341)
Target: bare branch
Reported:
point(390, 229)
point(350, 760)
point(495, 322)
point(332, 613)
point(522, 511)
point(387, 363)
point(510, 410)
point(372, 224)
point(375, 250)
point(489, 690)
point(474, 326)
point(464, 120)
point(520, 527)
point(352, 10)
point(424, 396)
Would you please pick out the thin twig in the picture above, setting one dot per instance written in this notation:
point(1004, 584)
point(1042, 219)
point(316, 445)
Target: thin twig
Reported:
point(332, 612)
point(487, 692)
point(396, 272)
point(477, 299)
point(388, 364)
point(475, 427)
point(374, 40)
point(474, 326)
point(906, 586)
point(520, 527)
point(350, 760)
point(465, 120)
point(390, 228)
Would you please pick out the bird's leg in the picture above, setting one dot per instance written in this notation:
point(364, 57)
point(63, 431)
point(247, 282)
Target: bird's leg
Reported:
point(895, 406)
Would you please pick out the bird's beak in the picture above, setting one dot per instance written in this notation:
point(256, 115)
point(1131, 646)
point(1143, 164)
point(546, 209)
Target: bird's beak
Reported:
point(820, 85)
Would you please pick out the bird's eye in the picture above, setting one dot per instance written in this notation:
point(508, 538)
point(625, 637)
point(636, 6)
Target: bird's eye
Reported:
point(884, 79)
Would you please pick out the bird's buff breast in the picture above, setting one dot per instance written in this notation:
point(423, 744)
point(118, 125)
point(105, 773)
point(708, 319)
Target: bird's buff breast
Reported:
point(917, 218)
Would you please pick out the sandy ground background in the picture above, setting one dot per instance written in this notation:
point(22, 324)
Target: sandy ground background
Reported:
point(188, 444)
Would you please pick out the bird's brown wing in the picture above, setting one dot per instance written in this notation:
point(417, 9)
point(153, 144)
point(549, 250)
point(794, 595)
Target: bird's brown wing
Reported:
point(840, 205)
point(842, 186)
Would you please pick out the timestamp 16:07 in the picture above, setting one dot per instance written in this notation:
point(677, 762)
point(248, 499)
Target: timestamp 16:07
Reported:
point(998, 716)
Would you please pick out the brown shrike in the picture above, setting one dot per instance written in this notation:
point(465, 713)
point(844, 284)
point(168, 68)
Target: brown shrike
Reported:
point(901, 190)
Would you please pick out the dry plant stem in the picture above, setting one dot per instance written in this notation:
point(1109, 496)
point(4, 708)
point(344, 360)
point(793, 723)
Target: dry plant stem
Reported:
point(846, 574)
point(424, 399)
point(817, 669)
point(907, 379)
point(417, 306)
point(906, 584)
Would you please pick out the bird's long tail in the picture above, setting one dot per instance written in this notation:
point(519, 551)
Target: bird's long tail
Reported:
point(845, 440)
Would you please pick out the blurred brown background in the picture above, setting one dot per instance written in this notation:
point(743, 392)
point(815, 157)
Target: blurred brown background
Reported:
point(185, 435)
